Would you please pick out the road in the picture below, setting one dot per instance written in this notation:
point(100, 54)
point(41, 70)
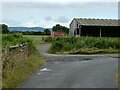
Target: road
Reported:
point(75, 71)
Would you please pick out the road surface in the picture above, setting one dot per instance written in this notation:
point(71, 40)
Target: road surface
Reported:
point(75, 71)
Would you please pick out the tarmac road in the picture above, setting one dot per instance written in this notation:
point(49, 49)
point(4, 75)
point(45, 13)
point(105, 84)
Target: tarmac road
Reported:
point(72, 71)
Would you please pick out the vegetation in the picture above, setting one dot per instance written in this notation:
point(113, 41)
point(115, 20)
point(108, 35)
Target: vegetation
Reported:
point(60, 28)
point(39, 39)
point(4, 29)
point(13, 39)
point(85, 45)
point(15, 68)
point(12, 77)
point(46, 32)
point(32, 33)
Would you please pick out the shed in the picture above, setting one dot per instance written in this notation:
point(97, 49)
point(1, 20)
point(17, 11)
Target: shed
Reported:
point(95, 27)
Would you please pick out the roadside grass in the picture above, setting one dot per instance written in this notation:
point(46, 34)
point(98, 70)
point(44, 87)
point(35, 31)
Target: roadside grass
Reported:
point(94, 51)
point(85, 45)
point(38, 39)
point(13, 77)
point(16, 68)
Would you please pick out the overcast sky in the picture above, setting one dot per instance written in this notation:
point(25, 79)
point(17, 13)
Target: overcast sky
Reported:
point(48, 13)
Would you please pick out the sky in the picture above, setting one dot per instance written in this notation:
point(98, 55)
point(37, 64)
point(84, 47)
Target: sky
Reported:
point(48, 13)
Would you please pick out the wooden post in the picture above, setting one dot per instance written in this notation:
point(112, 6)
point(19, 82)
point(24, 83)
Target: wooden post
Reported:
point(75, 31)
point(80, 31)
point(100, 32)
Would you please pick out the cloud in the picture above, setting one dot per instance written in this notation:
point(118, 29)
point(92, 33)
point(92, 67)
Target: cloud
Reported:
point(48, 18)
point(10, 22)
point(62, 19)
point(29, 24)
point(48, 14)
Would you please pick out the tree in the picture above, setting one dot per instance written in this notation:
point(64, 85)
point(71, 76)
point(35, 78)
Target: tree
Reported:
point(4, 29)
point(47, 32)
point(60, 28)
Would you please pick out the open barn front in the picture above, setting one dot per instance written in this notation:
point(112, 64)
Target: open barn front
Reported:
point(99, 31)
point(110, 31)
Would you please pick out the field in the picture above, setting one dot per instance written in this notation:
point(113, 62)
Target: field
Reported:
point(85, 45)
point(38, 39)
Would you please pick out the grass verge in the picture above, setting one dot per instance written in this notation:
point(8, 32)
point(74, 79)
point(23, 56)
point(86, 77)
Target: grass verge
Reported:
point(16, 68)
point(85, 45)
point(93, 51)
point(13, 77)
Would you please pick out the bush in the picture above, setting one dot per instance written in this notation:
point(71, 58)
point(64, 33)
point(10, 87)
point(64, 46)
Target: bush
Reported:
point(47, 39)
point(72, 43)
point(13, 39)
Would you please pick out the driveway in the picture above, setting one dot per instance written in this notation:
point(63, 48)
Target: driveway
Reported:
point(75, 71)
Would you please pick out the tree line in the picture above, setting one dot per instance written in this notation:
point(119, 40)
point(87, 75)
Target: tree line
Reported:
point(57, 28)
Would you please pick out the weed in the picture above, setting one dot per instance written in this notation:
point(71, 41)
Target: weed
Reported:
point(85, 45)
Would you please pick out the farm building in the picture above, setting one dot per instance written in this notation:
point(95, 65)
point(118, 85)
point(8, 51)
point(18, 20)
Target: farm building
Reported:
point(95, 27)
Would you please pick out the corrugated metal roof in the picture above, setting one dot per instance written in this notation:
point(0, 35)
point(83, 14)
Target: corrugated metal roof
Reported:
point(97, 22)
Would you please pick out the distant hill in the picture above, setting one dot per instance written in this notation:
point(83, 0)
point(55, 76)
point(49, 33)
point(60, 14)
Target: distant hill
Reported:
point(23, 29)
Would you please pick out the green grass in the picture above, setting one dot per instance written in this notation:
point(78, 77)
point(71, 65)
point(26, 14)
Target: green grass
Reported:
point(13, 39)
point(13, 77)
point(15, 68)
point(37, 39)
point(85, 45)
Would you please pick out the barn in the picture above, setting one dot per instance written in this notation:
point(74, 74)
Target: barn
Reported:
point(95, 27)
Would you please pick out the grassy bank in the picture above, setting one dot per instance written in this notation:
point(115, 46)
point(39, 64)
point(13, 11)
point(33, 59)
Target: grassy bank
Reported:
point(15, 70)
point(85, 45)
point(13, 77)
